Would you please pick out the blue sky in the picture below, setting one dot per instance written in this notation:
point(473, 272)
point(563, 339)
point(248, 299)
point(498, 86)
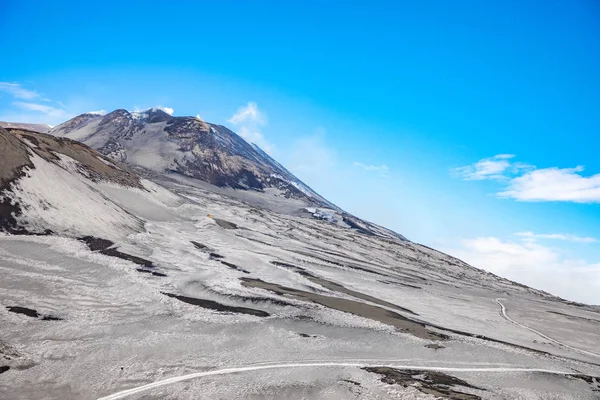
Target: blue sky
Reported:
point(469, 126)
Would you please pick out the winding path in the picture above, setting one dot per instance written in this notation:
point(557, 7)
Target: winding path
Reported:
point(226, 371)
point(512, 321)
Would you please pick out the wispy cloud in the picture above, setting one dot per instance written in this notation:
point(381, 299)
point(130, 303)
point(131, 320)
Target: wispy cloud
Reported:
point(556, 236)
point(249, 119)
point(487, 168)
point(249, 114)
point(17, 91)
point(534, 265)
point(28, 106)
point(525, 182)
point(42, 108)
point(383, 169)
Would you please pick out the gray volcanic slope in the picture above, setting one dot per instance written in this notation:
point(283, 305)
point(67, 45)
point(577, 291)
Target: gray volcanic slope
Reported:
point(116, 286)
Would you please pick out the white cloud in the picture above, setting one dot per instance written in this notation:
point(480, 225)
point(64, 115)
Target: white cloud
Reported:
point(168, 110)
point(530, 236)
point(383, 169)
point(534, 265)
point(17, 91)
point(28, 106)
point(249, 120)
point(99, 112)
point(249, 114)
point(525, 182)
point(555, 184)
point(43, 108)
point(487, 168)
point(198, 117)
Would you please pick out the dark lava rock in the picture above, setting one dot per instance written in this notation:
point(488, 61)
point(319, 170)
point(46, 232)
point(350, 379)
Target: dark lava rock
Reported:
point(51, 318)
point(225, 224)
point(103, 246)
point(96, 244)
point(435, 346)
point(233, 266)
point(32, 313)
point(213, 305)
point(306, 335)
point(200, 246)
point(23, 310)
point(429, 382)
point(155, 273)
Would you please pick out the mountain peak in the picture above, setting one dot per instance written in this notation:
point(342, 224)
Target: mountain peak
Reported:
point(152, 115)
point(155, 140)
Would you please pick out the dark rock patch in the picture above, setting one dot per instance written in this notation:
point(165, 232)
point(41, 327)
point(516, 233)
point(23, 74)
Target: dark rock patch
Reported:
point(104, 246)
point(134, 259)
point(51, 318)
point(200, 246)
point(96, 244)
point(155, 273)
point(435, 346)
point(215, 256)
point(225, 224)
point(23, 310)
point(306, 335)
point(32, 313)
point(4, 368)
point(351, 382)
point(429, 382)
point(213, 305)
point(233, 266)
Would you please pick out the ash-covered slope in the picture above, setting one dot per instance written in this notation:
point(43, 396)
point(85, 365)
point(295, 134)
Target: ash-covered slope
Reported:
point(157, 141)
point(49, 184)
point(135, 285)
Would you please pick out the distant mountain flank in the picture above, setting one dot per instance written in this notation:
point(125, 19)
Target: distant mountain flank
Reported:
point(157, 141)
point(43, 128)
